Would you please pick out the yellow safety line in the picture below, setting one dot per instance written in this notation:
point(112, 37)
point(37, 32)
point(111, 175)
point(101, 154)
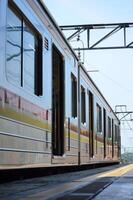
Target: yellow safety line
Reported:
point(118, 172)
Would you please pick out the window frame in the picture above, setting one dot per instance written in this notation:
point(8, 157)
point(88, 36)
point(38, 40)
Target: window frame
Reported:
point(112, 138)
point(109, 129)
point(99, 118)
point(38, 71)
point(117, 133)
point(83, 105)
point(73, 96)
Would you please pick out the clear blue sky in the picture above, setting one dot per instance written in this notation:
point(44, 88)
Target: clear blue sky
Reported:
point(115, 76)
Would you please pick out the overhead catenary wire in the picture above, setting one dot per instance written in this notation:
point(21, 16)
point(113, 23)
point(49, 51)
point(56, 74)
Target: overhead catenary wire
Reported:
point(115, 82)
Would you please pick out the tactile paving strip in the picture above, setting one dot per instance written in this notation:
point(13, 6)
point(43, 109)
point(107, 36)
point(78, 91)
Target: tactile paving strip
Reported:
point(87, 192)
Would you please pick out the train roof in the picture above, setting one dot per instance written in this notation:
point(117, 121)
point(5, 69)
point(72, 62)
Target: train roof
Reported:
point(43, 6)
point(85, 71)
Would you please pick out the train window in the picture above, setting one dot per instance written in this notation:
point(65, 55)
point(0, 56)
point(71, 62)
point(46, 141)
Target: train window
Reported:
point(91, 123)
point(29, 52)
point(109, 128)
point(13, 52)
point(116, 133)
point(74, 95)
point(83, 105)
point(99, 118)
point(23, 53)
point(112, 138)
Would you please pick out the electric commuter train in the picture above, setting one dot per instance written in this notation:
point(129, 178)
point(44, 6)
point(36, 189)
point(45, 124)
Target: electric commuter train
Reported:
point(51, 112)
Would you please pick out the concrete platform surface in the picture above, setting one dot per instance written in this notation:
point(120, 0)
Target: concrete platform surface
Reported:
point(114, 182)
point(121, 189)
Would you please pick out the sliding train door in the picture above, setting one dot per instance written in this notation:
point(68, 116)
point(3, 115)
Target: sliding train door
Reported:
point(58, 102)
point(91, 125)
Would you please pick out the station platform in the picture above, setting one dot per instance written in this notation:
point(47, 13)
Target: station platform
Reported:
point(121, 189)
point(113, 182)
point(9, 173)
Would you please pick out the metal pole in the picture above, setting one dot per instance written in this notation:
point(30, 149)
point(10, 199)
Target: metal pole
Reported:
point(88, 37)
point(79, 114)
point(124, 36)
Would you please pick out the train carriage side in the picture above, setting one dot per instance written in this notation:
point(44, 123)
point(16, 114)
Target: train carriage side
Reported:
point(100, 133)
point(40, 95)
point(36, 67)
point(24, 110)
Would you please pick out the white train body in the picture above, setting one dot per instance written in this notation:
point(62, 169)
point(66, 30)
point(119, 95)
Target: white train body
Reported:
point(51, 112)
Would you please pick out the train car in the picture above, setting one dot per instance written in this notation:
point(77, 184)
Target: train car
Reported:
point(51, 112)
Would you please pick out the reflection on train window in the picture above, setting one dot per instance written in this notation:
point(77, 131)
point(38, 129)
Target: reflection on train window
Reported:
point(29, 52)
point(109, 128)
point(74, 95)
point(13, 52)
point(83, 105)
point(23, 53)
point(99, 118)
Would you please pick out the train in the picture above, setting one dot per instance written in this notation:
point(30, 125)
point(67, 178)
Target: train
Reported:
point(51, 111)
